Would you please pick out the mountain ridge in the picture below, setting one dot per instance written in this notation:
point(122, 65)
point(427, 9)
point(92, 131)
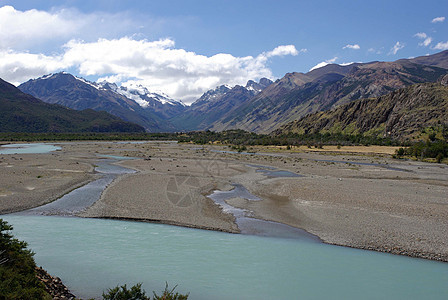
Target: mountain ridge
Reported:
point(77, 93)
point(401, 114)
point(218, 103)
point(259, 106)
point(298, 94)
point(24, 113)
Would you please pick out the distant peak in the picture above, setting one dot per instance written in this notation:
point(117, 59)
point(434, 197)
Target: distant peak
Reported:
point(143, 96)
point(258, 87)
point(265, 81)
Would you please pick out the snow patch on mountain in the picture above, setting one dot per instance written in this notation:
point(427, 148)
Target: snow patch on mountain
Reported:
point(143, 96)
point(92, 84)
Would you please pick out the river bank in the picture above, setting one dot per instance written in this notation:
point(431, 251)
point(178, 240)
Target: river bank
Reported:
point(354, 199)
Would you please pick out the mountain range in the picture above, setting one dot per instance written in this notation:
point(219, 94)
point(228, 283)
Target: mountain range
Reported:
point(218, 104)
point(21, 112)
point(298, 94)
point(261, 106)
point(133, 104)
point(403, 114)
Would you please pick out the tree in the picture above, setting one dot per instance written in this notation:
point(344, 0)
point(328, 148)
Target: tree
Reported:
point(17, 268)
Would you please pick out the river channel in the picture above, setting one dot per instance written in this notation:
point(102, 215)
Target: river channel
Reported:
point(91, 255)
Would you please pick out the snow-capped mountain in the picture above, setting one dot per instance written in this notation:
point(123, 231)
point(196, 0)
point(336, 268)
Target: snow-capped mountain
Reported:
point(218, 103)
point(258, 87)
point(139, 93)
point(141, 106)
point(217, 93)
point(212, 94)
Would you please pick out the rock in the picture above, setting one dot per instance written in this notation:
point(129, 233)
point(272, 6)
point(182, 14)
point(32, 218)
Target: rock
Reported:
point(54, 285)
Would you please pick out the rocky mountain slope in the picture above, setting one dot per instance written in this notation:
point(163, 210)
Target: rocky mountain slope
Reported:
point(260, 107)
point(218, 104)
point(437, 60)
point(401, 114)
point(132, 104)
point(297, 94)
point(21, 112)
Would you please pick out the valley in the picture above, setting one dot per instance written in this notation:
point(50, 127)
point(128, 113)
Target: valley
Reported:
point(348, 197)
point(260, 107)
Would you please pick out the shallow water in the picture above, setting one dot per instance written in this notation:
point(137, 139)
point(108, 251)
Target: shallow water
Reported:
point(279, 173)
point(79, 199)
point(385, 166)
point(35, 148)
point(91, 255)
point(249, 225)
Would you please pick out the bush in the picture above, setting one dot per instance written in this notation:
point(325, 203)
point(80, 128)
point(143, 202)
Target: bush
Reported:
point(17, 269)
point(421, 150)
point(137, 293)
point(170, 295)
point(122, 293)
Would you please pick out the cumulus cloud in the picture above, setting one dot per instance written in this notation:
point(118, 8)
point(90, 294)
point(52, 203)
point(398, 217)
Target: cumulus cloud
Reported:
point(441, 46)
point(17, 27)
point(354, 47)
point(324, 63)
point(398, 46)
point(426, 39)
point(438, 20)
point(159, 65)
point(22, 30)
point(285, 50)
point(17, 67)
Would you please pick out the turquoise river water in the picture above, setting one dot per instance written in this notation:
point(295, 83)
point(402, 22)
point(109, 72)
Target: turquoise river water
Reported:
point(91, 255)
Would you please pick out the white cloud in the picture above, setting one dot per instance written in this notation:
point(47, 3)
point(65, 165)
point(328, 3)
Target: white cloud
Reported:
point(427, 39)
point(284, 50)
point(22, 30)
point(438, 19)
point(158, 64)
point(354, 47)
point(17, 27)
point(324, 63)
point(398, 46)
point(441, 46)
point(16, 67)
point(181, 74)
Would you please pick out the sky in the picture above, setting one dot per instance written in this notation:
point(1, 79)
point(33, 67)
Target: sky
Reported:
point(184, 48)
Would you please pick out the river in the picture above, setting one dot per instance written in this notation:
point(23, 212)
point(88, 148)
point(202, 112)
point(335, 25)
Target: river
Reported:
point(91, 255)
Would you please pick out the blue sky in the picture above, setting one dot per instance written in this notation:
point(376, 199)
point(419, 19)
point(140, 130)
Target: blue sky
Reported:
point(183, 48)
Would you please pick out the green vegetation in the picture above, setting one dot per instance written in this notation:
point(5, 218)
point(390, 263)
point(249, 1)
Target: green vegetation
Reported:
point(91, 136)
point(437, 150)
point(241, 137)
point(434, 148)
point(235, 137)
point(17, 269)
point(137, 293)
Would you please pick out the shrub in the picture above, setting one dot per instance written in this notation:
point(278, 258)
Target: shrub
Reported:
point(17, 268)
point(137, 293)
point(122, 293)
point(170, 295)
